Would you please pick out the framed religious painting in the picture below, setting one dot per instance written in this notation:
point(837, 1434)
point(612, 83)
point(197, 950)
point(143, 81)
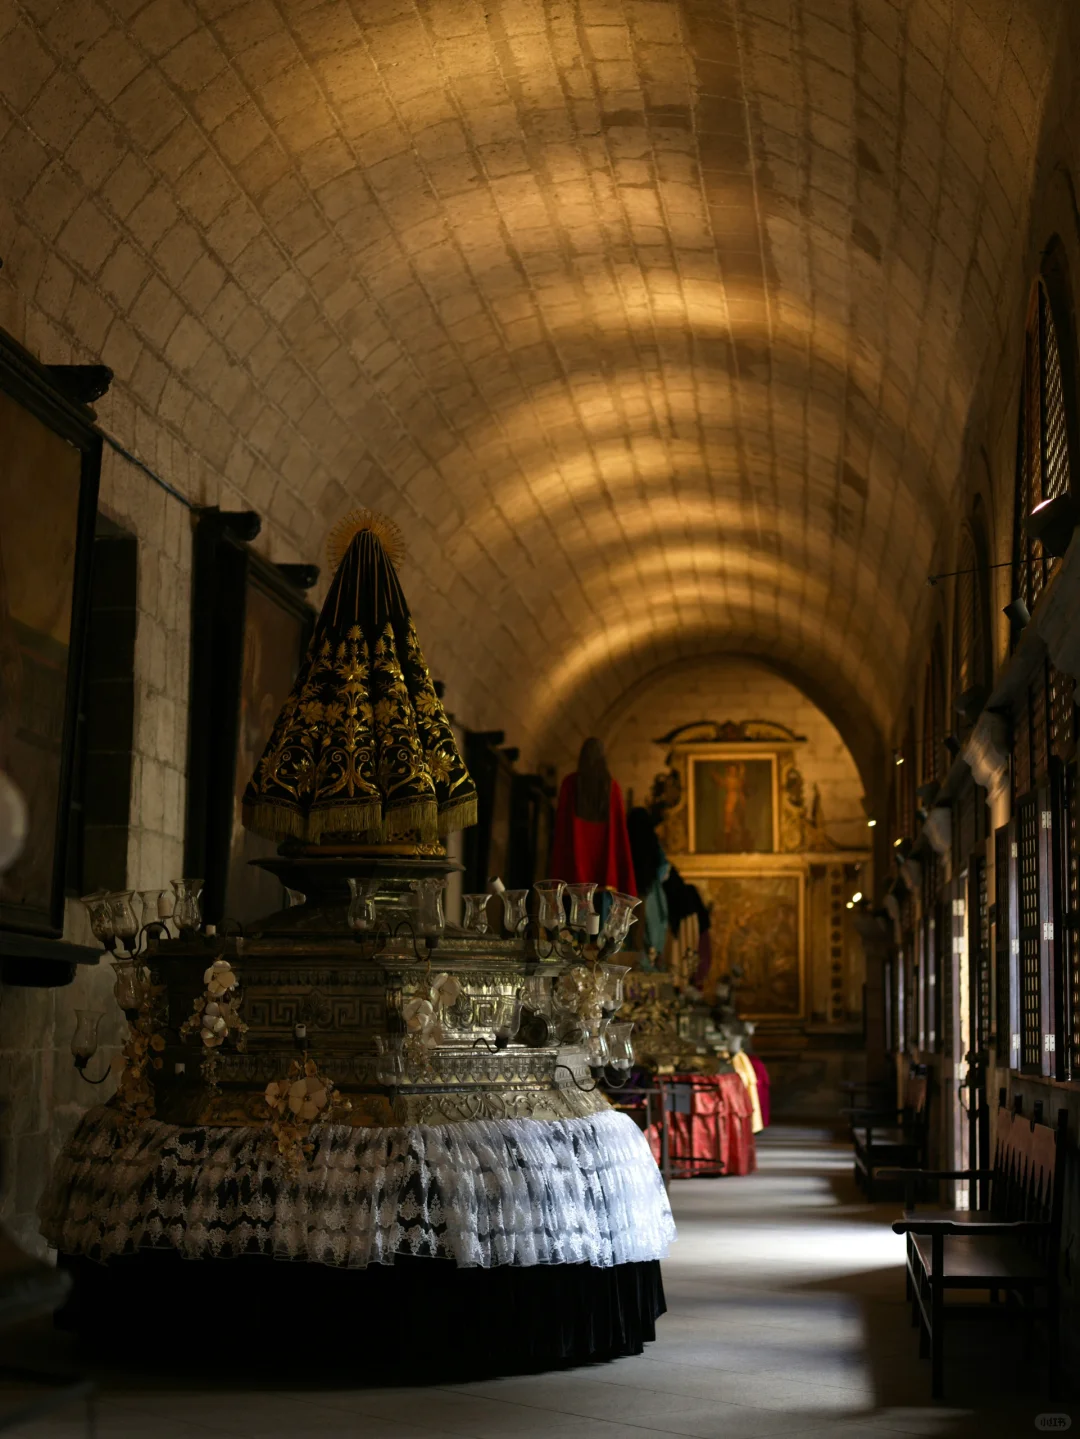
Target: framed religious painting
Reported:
point(733, 802)
point(50, 464)
point(757, 931)
point(251, 624)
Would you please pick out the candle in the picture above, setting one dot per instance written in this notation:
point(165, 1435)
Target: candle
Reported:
point(496, 885)
point(594, 924)
point(210, 929)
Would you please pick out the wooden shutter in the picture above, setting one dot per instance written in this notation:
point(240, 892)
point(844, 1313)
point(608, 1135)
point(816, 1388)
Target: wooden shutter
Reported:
point(1030, 936)
point(1069, 870)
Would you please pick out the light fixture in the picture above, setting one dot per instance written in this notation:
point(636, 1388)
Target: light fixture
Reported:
point(897, 843)
point(850, 904)
point(870, 823)
point(856, 896)
point(1017, 613)
point(1052, 523)
point(898, 758)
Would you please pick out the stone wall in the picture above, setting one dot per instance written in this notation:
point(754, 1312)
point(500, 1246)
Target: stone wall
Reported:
point(731, 688)
point(41, 1095)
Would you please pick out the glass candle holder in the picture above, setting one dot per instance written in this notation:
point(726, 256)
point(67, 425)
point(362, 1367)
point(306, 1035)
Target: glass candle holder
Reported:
point(550, 894)
point(475, 913)
point(537, 1025)
point(97, 908)
point(507, 1019)
point(620, 918)
point(150, 900)
point(596, 1048)
point(620, 1051)
point(581, 905)
point(84, 1042)
point(187, 912)
point(128, 990)
point(430, 918)
point(611, 996)
point(362, 894)
point(515, 911)
point(125, 922)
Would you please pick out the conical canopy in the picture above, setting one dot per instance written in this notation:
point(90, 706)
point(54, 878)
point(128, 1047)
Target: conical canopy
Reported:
point(362, 747)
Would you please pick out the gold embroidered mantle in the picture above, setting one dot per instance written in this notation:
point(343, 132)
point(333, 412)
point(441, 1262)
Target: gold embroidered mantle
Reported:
point(362, 747)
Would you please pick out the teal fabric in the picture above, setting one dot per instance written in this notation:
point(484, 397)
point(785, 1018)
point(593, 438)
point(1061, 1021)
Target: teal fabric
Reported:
point(656, 911)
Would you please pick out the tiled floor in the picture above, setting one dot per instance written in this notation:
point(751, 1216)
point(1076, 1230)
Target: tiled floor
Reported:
point(786, 1317)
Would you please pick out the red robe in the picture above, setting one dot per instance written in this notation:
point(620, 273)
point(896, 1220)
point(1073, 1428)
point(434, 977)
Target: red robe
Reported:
point(587, 849)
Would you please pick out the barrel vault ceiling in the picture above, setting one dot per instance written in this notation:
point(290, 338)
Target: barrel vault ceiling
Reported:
point(654, 323)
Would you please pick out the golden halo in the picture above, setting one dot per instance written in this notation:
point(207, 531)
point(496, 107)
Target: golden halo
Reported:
point(350, 525)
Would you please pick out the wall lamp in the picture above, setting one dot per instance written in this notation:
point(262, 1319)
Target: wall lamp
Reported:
point(1052, 524)
point(898, 758)
point(1017, 613)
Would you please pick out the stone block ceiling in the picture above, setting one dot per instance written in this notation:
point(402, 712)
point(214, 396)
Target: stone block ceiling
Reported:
point(654, 323)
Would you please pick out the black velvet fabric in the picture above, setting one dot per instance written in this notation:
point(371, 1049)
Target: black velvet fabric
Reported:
point(417, 1321)
point(684, 900)
point(645, 848)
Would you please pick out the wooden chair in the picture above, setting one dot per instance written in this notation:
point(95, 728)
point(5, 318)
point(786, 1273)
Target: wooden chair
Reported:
point(892, 1138)
point(1010, 1247)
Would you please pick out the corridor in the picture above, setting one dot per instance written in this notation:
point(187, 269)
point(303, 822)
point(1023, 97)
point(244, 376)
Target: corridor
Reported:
point(786, 1317)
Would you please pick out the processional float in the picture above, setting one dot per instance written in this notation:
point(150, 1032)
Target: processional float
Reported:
point(353, 1120)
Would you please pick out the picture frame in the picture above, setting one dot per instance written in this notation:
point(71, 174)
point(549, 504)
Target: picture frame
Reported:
point(50, 469)
point(251, 625)
point(759, 923)
point(733, 800)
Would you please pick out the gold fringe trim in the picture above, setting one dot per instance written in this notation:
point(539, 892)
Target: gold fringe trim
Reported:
point(459, 814)
point(419, 816)
point(273, 821)
point(344, 819)
point(352, 524)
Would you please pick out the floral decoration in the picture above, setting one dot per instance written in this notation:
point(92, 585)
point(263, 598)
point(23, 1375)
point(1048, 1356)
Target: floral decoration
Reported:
point(581, 990)
point(216, 1015)
point(296, 1103)
point(141, 1053)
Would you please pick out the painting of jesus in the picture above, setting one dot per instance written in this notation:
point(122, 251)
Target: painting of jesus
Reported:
point(733, 806)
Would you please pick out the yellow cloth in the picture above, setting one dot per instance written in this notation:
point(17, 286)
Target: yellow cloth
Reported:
point(746, 1072)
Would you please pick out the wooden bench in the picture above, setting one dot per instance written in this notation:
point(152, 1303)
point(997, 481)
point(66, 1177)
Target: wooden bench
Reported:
point(1008, 1247)
point(892, 1138)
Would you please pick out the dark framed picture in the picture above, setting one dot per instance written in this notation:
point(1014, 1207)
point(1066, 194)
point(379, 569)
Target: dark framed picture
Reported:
point(50, 465)
point(250, 628)
point(532, 823)
point(487, 843)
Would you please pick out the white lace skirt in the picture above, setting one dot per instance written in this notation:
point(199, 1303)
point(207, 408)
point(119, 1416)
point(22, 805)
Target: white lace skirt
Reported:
point(487, 1192)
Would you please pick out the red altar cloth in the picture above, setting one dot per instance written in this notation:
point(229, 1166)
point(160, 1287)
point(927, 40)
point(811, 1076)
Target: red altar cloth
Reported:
point(716, 1137)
